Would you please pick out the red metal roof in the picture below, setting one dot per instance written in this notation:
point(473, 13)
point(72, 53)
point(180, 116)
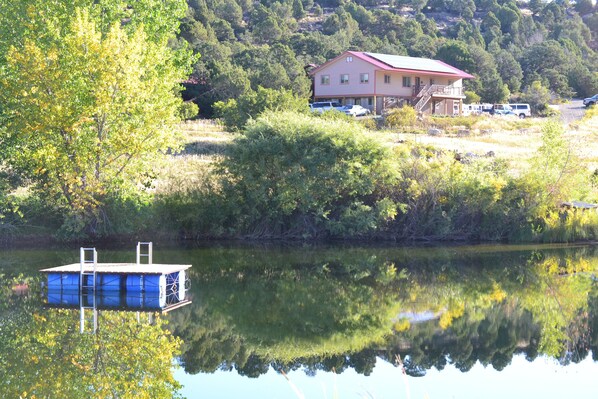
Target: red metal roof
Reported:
point(415, 64)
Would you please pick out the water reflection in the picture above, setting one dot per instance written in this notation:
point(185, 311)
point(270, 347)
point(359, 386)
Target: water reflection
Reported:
point(343, 310)
point(43, 353)
point(330, 309)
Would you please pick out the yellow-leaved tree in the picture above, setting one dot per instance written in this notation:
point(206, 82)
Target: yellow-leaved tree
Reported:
point(87, 110)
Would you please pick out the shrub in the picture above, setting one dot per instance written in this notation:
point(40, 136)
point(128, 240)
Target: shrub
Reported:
point(236, 112)
point(401, 117)
point(472, 98)
point(537, 96)
point(188, 110)
point(444, 122)
point(292, 174)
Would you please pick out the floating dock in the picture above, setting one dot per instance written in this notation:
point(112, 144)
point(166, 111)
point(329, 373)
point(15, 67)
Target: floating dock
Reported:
point(123, 286)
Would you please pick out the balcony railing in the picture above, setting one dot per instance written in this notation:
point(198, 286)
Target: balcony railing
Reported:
point(446, 90)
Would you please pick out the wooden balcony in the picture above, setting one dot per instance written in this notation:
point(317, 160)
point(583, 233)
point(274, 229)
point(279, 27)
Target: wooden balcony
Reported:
point(442, 91)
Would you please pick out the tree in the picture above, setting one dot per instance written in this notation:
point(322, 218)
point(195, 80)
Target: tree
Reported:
point(86, 112)
point(509, 70)
point(490, 85)
point(237, 111)
point(584, 7)
point(298, 10)
point(282, 172)
point(124, 359)
point(548, 61)
point(457, 54)
point(537, 96)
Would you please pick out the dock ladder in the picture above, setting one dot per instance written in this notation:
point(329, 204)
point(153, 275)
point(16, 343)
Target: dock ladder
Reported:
point(87, 283)
point(148, 254)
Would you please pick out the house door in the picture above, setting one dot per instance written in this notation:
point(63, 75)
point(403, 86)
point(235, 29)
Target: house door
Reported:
point(418, 84)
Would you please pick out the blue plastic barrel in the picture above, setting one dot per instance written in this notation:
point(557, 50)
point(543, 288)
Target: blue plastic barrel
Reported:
point(109, 282)
point(154, 300)
point(134, 299)
point(70, 281)
point(110, 301)
point(70, 298)
point(88, 280)
point(54, 281)
point(88, 299)
point(155, 283)
point(135, 283)
point(54, 297)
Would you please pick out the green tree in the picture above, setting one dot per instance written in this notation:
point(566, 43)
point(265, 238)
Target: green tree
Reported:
point(125, 359)
point(509, 70)
point(236, 112)
point(537, 96)
point(472, 98)
point(295, 174)
point(457, 54)
point(85, 114)
point(298, 11)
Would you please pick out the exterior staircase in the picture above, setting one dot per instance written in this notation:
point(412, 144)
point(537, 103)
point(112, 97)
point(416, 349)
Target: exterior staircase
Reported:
point(424, 96)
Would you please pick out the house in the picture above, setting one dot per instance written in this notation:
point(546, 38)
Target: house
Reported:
point(382, 81)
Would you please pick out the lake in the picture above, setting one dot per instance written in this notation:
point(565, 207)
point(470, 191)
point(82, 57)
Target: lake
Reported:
point(274, 321)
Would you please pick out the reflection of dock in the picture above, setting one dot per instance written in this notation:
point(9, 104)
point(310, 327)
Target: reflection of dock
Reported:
point(117, 286)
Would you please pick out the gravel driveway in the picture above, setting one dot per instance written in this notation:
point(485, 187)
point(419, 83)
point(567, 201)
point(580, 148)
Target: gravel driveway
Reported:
point(572, 111)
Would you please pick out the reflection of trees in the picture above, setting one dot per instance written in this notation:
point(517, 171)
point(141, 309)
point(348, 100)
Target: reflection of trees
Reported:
point(337, 312)
point(44, 355)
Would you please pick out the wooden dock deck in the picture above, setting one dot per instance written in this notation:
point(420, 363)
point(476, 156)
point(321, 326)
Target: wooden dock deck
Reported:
point(119, 268)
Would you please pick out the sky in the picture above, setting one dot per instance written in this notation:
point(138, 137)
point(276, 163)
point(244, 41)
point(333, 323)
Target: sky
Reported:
point(543, 378)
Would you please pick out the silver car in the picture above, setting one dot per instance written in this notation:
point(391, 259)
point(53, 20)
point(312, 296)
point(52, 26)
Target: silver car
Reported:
point(588, 102)
point(356, 110)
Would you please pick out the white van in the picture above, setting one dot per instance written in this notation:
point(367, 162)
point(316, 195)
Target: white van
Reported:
point(521, 110)
point(322, 106)
point(472, 109)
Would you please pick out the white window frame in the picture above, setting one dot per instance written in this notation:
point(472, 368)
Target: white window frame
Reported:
point(325, 80)
point(364, 78)
point(387, 79)
point(343, 80)
point(406, 81)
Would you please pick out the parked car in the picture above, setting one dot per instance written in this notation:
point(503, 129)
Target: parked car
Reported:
point(588, 102)
point(521, 110)
point(356, 110)
point(488, 109)
point(472, 109)
point(323, 106)
point(501, 109)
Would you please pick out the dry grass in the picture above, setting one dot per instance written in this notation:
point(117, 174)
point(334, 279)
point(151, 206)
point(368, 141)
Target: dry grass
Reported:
point(204, 141)
point(511, 139)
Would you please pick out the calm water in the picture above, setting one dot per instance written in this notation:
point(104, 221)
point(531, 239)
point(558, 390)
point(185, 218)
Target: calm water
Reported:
point(294, 322)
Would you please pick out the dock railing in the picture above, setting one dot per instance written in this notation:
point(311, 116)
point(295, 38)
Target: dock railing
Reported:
point(88, 287)
point(149, 247)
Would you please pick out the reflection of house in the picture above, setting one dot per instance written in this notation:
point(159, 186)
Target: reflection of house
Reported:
point(380, 81)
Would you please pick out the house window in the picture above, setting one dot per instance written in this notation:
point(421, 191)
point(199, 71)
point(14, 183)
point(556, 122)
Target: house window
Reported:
point(432, 81)
point(406, 81)
point(344, 78)
point(387, 79)
point(364, 78)
point(370, 100)
point(325, 79)
point(349, 59)
point(450, 82)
